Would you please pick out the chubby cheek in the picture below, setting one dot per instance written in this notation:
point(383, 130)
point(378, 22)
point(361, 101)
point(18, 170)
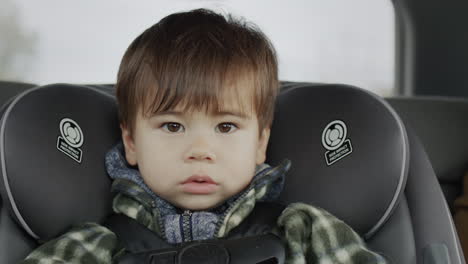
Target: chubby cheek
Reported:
point(240, 164)
point(157, 162)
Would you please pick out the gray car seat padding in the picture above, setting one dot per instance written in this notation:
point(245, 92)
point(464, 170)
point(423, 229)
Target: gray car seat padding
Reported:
point(432, 221)
point(441, 124)
point(15, 244)
point(49, 181)
point(10, 89)
point(395, 240)
point(422, 221)
point(364, 186)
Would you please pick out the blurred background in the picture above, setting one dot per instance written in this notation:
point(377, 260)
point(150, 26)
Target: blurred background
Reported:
point(337, 41)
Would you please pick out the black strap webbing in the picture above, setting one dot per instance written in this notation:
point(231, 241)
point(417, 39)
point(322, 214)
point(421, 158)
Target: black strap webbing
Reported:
point(136, 238)
point(133, 236)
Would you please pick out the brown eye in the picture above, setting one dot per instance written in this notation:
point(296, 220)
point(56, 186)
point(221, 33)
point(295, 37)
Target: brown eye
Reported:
point(172, 127)
point(226, 127)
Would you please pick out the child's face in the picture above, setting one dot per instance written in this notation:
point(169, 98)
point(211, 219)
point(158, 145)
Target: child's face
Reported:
point(196, 160)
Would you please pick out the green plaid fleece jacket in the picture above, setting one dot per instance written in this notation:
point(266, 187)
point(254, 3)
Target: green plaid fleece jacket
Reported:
point(311, 235)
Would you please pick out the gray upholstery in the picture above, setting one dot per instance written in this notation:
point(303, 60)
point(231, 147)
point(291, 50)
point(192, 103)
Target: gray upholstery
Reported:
point(441, 124)
point(15, 244)
point(395, 240)
point(10, 89)
point(385, 188)
point(12, 239)
point(432, 221)
point(420, 229)
point(31, 133)
point(372, 174)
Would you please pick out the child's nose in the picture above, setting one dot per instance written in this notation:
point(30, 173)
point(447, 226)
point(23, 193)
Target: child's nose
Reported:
point(200, 150)
point(201, 155)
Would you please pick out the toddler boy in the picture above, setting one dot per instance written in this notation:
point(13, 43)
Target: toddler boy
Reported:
point(196, 95)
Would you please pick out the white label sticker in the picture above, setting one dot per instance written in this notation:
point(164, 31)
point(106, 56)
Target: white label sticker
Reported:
point(335, 141)
point(71, 139)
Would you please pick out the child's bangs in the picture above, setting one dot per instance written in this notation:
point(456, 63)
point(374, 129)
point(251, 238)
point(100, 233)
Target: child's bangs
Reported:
point(211, 88)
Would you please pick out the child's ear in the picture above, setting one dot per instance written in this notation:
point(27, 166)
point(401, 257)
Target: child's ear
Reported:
point(129, 144)
point(262, 146)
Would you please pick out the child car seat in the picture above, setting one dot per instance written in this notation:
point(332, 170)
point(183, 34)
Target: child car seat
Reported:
point(442, 126)
point(11, 89)
point(349, 153)
point(420, 230)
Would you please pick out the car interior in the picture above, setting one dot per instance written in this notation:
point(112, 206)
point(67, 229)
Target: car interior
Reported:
point(389, 166)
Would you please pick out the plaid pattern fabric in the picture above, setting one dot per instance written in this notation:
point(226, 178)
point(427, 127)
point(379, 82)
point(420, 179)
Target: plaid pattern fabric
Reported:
point(87, 243)
point(311, 234)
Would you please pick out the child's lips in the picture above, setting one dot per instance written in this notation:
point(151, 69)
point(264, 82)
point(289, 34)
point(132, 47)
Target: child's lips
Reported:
point(199, 184)
point(199, 179)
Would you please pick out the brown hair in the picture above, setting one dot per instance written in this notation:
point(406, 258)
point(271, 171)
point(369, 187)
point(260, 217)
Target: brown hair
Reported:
point(192, 59)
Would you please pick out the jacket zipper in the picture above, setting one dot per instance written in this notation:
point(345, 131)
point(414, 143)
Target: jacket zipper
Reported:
point(187, 226)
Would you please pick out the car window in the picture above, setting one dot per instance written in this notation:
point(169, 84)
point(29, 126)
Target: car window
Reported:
point(83, 41)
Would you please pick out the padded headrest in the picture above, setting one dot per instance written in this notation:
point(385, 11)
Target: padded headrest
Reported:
point(52, 145)
point(349, 152)
point(10, 89)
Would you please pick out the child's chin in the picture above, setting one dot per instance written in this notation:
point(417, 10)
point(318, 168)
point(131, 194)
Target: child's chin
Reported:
point(199, 204)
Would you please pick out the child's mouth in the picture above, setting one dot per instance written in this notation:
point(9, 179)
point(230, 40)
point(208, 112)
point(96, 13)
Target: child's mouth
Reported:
point(199, 184)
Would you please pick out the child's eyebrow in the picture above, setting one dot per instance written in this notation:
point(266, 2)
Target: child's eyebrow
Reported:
point(232, 113)
point(221, 113)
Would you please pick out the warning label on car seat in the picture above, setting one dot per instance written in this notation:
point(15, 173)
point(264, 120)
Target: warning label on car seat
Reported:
point(335, 141)
point(335, 155)
point(71, 139)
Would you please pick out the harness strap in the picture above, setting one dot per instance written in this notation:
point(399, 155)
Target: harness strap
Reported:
point(133, 236)
point(251, 241)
